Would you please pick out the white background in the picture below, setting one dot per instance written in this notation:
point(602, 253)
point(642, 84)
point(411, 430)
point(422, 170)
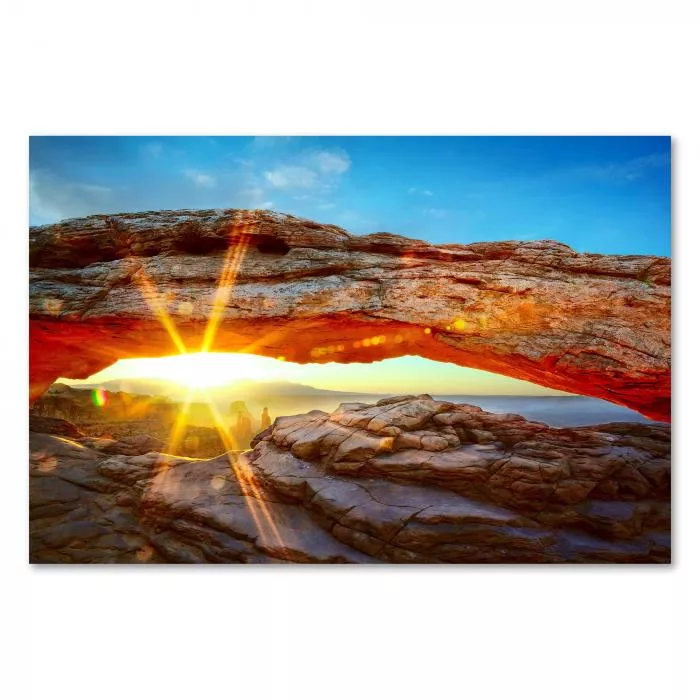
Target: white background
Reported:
point(348, 68)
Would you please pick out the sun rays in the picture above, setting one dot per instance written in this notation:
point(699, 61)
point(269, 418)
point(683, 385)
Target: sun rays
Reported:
point(227, 280)
point(264, 521)
point(251, 490)
point(198, 377)
point(154, 301)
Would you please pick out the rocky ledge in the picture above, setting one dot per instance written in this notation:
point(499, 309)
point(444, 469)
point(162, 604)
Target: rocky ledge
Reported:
point(408, 479)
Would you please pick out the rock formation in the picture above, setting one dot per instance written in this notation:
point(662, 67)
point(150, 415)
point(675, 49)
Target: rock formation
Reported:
point(408, 479)
point(122, 418)
point(157, 283)
point(78, 406)
point(265, 420)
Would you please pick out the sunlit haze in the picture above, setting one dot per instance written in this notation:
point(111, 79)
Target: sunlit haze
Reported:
point(399, 375)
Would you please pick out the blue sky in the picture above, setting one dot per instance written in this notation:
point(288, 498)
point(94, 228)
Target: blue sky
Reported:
point(597, 194)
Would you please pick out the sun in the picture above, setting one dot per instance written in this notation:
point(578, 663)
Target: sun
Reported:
point(197, 370)
point(202, 370)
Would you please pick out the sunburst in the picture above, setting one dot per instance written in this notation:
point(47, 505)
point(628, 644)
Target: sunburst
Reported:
point(252, 492)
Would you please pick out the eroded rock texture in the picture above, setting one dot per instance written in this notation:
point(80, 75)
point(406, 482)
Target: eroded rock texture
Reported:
point(105, 288)
point(406, 480)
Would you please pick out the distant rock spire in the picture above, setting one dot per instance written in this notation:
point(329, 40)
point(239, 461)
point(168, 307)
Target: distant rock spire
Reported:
point(265, 421)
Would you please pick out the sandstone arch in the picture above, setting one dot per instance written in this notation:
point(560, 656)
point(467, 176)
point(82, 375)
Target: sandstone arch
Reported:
point(149, 284)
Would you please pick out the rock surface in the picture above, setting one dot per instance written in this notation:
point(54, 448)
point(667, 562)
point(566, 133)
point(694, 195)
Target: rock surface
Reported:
point(105, 288)
point(408, 479)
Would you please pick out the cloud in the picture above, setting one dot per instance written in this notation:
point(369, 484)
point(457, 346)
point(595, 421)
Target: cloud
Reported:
point(437, 213)
point(273, 172)
point(200, 178)
point(319, 170)
point(253, 198)
point(52, 198)
point(287, 177)
point(627, 171)
point(420, 191)
point(331, 162)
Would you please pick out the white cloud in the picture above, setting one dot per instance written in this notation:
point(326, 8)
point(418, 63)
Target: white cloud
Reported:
point(331, 162)
point(319, 170)
point(421, 191)
point(253, 198)
point(303, 175)
point(52, 198)
point(286, 177)
point(200, 178)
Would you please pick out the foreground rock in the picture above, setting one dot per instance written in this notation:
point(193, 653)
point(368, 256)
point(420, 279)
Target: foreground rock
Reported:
point(406, 480)
point(104, 287)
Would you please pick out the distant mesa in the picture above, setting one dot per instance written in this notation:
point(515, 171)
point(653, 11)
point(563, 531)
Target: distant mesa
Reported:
point(243, 387)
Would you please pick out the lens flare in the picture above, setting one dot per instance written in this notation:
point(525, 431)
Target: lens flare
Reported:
point(99, 397)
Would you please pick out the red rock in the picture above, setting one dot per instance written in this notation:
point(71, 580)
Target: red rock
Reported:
point(535, 310)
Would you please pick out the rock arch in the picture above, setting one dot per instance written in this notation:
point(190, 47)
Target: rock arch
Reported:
point(104, 288)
